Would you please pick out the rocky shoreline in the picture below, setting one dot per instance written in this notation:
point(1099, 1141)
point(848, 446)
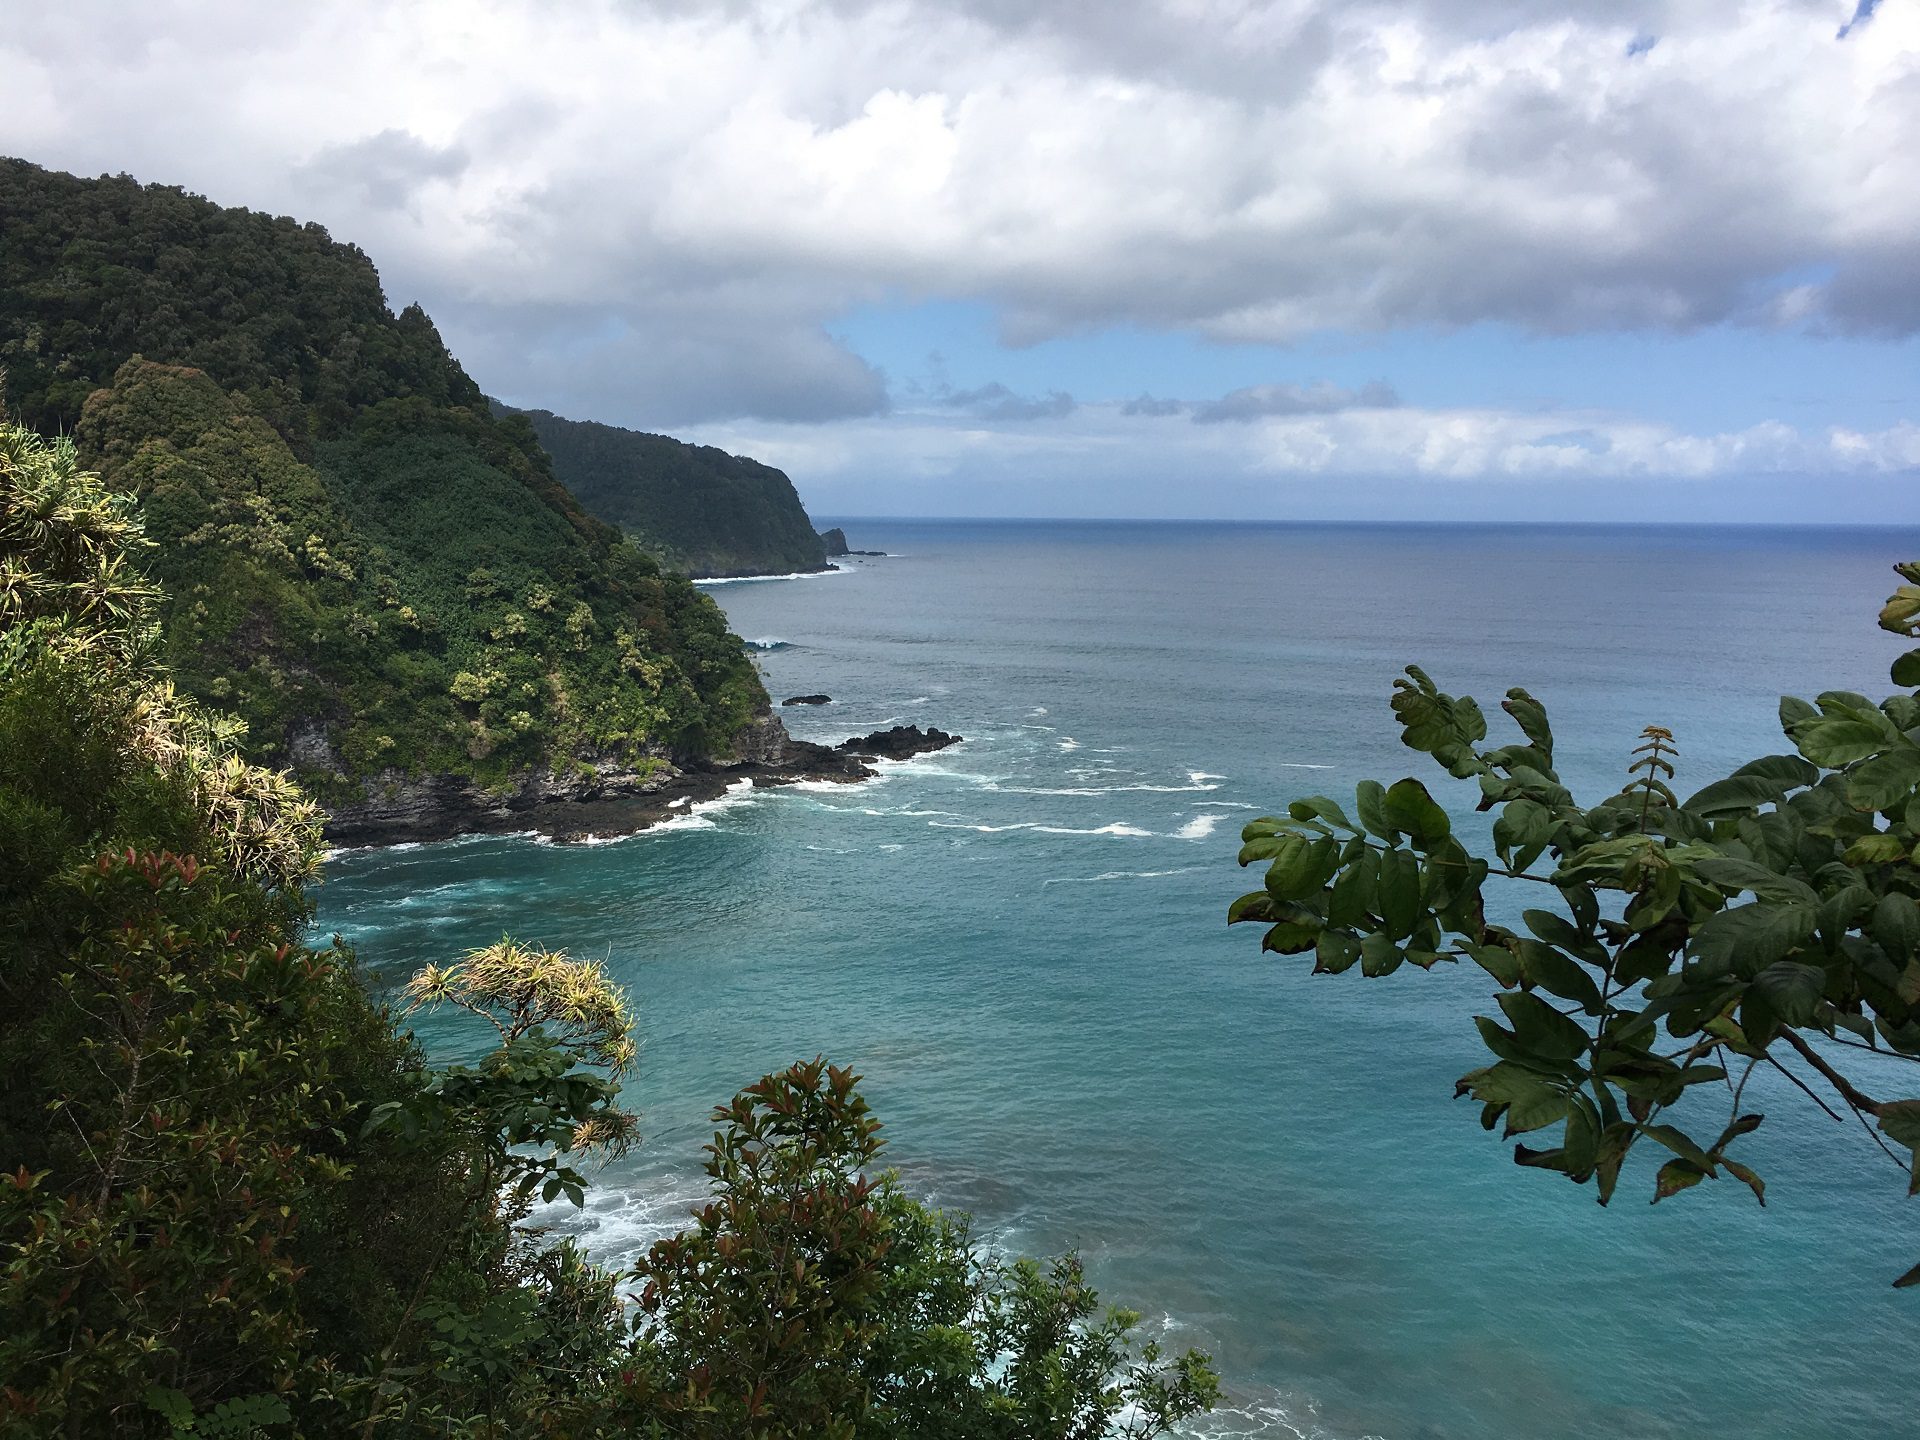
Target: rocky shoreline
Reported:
point(612, 798)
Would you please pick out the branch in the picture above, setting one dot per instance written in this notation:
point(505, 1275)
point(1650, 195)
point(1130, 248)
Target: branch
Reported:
point(1833, 1077)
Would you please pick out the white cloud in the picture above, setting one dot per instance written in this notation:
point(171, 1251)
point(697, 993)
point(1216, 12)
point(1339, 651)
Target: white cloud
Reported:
point(661, 206)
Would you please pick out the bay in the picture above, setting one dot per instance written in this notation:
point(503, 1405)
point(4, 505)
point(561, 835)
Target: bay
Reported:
point(1020, 942)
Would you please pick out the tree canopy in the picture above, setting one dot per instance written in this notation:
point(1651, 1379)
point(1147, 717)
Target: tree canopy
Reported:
point(357, 556)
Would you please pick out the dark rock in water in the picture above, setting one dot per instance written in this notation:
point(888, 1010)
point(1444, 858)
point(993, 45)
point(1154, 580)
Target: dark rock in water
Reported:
point(898, 743)
point(808, 700)
point(836, 542)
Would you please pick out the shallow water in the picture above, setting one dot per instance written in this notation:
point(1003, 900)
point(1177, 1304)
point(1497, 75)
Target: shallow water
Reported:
point(1020, 943)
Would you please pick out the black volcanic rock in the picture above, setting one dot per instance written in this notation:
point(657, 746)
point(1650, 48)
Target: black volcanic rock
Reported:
point(808, 700)
point(836, 542)
point(899, 743)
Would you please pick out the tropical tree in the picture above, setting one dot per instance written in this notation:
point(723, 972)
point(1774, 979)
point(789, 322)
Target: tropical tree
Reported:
point(1770, 920)
point(813, 1298)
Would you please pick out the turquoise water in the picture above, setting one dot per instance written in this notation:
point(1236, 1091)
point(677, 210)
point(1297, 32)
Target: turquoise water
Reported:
point(1020, 943)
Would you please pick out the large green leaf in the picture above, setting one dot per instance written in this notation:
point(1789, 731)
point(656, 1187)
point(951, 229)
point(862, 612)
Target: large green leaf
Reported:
point(1411, 809)
point(1301, 867)
point(1884, 780)
point(1370, 799)
point(1399, 893)
point(1751, 937)
point(1730, 873)
point(1540, 1028)
point(1792, 989)
point(1553, 972)
point(1834, 741)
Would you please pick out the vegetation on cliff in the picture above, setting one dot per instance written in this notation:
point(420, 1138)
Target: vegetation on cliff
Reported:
point(1773, 919)
point(694, 508)
point(358, 557)
point(235, 1201)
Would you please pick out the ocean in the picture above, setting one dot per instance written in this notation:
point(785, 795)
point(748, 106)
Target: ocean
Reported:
point(1020, 942)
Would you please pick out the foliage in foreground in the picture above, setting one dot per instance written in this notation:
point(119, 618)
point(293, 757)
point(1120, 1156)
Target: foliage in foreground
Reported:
point(1768, 920)
point(235, 1202)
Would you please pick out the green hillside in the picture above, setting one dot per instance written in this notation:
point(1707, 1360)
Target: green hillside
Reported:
point(363, 561)
point(695, 508)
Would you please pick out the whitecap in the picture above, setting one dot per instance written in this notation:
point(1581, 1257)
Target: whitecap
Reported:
point(1096, 789)
point(1117, 827)
point(1037, 710)
point(755, 579)
point(1198, 828)
point(1120, 875)
point(1069, 743)
point(768, 642)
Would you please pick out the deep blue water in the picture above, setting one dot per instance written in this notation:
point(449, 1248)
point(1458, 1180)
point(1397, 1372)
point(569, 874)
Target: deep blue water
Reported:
point(1021, 943)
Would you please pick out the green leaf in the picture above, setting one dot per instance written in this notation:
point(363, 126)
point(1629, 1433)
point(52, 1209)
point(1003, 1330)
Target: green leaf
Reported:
point(1290, 937)
point(1681, 1144)
point(1730, 873)
point(1498, 961)
point(1319, 807)
point(1399, 896)
point(1747, 1175)
point(1410, 808)
point(1370, 799)
point(1900, 1122)
point(1885, 780)
point(1906, 670)
point(1257, 906)
point(1558, 930)
point(1335, 952)
point(1553, 972)
point(1880, 847)
point(1751, 937)
point(1835, 742)
point(1675, 1176)
point(1523, 825)
point(1541, 1029)
point(1301, 866)
point(1531, 716)
point(1354, 890)
point(1793, 990)
point(1895, 926)
point(1379, 955)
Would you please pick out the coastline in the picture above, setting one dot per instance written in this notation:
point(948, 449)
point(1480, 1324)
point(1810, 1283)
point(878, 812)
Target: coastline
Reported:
point(611, 800)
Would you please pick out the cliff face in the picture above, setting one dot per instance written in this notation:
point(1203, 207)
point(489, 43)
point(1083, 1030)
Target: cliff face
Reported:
point(694, 508)
point(361, 559)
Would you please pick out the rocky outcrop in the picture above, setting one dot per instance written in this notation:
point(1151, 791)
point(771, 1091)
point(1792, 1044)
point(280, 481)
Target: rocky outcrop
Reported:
point(836, 542)
point(899, 743)
point(808, 700)
point(607, 796)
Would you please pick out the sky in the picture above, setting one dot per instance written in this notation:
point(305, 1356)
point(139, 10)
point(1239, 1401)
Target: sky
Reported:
point(1476, 259)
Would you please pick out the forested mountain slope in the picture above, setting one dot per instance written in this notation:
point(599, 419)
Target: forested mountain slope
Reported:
point(381, 575)
point(695, 508)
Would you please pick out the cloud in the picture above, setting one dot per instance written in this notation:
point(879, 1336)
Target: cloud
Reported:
point(994, 401)
point(724, 180)
point(1319, 398)
point(388, 170)
point(1148, 405)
